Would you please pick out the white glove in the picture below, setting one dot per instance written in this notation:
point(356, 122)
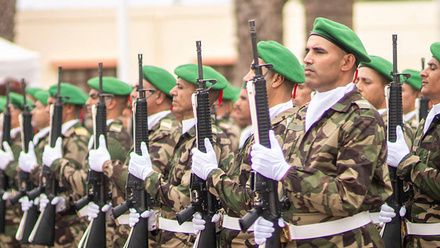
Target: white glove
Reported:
point(204, 163)
point(98, 157)
point(28, 161)
point(43, 202)
point(140, 166)
point(6, 156)
point(263, 229)
point(6, 196)
point(25, 203)
point(93, 210)
point(134, 218)
point(387, 213)
point(397, 150)
point(51, 154)
point(199, 223)
point(60, 203)
point(269, 162)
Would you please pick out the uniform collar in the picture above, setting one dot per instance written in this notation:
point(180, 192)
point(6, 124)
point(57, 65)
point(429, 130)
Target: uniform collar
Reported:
point(43, 132)
point(408, 116)
point(276, 110)
point(66, 126)
point(432, 113)
point(155, 118)
point(15, 131)
point(188, 124)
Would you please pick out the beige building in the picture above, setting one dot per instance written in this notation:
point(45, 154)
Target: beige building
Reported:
point(78, 39)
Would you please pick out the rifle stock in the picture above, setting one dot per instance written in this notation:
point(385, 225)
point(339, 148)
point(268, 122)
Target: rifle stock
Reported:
point(266, 202)
point(4, 179)
point(392, 230)
point(201, 199)
point(137, 197)
point(43, 232)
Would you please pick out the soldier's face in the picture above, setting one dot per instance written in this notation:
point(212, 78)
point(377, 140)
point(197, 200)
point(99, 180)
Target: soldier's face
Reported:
point(242, 113)
point(322, 64)
point(181, 94)
point(15, 112)
point(92, 100)
point(371, 87)
point(150, 97)
point(431, 81)
point(409, 96)
point(50, 101)
point(303, 95)
point(269, 77)
point(40, 118)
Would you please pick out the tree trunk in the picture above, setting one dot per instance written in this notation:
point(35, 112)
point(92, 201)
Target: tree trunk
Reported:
point(336, 10)
point(7, 14)
point(268, 16)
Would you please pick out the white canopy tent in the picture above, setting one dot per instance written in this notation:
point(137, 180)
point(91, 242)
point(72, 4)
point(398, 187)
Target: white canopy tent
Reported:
point(17, 62)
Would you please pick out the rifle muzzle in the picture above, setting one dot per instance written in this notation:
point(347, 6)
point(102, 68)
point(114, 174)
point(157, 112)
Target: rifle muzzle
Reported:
point(186, 214)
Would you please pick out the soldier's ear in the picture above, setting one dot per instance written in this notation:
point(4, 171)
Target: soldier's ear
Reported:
point(348, 62)
point(277, 80)
point(111, 104)
point(160, 97)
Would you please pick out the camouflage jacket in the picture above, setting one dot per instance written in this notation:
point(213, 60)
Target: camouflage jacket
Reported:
point(413, 122)
point(338, 170)
point(421, 168)
point(231, 129)
point(11, 169)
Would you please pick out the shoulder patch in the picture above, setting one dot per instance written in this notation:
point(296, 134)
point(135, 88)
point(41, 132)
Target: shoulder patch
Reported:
point(166, 124)
point(116, 127)
point(363, 104)
point(81, 131)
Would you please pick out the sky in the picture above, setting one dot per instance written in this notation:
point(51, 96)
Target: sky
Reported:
point(57, 4)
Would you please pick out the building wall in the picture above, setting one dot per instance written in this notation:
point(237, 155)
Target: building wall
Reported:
point(166, 35)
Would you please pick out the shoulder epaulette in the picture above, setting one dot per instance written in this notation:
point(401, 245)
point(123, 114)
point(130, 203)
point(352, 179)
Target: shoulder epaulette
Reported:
point(115, 127)
point(81, 131)
point(363, 104)
point(166, 124)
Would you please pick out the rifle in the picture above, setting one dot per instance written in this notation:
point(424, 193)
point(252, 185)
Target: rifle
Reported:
point(423, 102)
point(30, 216)
point(44, 230)
point(392, 230)
point(266, 202)
point(4, 179)
point(95, 235)
point(139, 197)
point(201, 200)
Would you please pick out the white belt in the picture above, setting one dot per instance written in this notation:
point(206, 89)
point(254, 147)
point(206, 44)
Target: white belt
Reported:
point(422, 229)
point(231, 223)
point(375, 217)
point(329, 228)
point(173, 226)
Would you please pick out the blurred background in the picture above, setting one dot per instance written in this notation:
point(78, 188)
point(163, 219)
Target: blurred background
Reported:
point(40, 35)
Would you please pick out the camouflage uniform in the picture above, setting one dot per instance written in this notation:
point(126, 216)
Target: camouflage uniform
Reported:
point(413, 122)
point(234, 191)
point(420, 168)
point(173, 193)
point(407, 129)
point(119, 142)
point(338, 170)
point(162, 139)
point(70, 173)
point(231, 129)
point(13, 213)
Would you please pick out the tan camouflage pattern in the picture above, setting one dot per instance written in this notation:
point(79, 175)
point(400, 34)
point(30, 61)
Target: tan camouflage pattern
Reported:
point(413, 122)
point(231, 129)
point(173, 194)
point(338, 170)
point(162, 139)
point(420, 169)
point(233, 187)
point(71, 175)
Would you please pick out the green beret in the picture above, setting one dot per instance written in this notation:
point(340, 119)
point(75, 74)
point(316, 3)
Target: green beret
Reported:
point(32, 91)
point(435, 50)
point(17, 100)
point(415, 80)
point(381, 65)
point(2, 103)
point(231, 93)
point(42, 96)
point(190, 73)
point(283, 60)
point(342, 36)
point(111, 85)
point(160, 78)
point(75, 94)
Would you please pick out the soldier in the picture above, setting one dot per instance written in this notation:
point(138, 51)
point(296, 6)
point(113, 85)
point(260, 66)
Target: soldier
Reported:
point(173, 193)
point(64, 160)
point(410, 92)
point(164, 130)
point(302, 95)
point(242, 116)
point(419, 166)
point(223, 115)
point(233, 189)
point(335, 166)
point(372, 80)
point(9, 163)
